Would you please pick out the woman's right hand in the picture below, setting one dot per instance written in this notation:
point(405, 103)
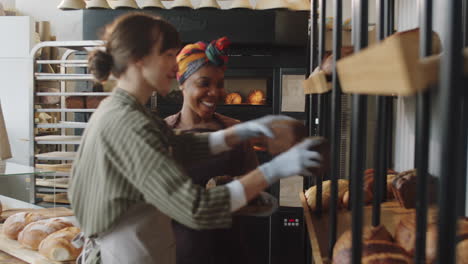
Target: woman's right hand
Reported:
point(298, 160)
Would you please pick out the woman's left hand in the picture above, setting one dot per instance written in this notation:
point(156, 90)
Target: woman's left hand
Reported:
point(257, 127)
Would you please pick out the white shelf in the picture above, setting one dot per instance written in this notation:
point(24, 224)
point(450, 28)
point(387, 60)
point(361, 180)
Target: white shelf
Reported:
point(56, 155)
point(74, 94)
point(70, 140)
point(64, 110)
point(63, 77)
point(62, 125)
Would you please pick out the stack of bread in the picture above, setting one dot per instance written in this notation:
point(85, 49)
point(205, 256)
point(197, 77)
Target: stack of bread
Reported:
point(343, 191)
point(378, 247)
point(405, 235)
point(51, 237)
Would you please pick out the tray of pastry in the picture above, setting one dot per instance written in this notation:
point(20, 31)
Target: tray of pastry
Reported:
point(39, 241)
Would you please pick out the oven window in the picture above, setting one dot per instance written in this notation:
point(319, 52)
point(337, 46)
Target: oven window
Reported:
point(246, 91)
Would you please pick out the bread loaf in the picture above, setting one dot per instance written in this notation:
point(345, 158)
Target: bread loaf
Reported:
point(405, 235)
point(287, 133)
point(16, 223)
point(35, 232)
point(233, 98)
point(311, 194)
point(58, 247)
point(378, 247)
point(404, 189)
point(92, 102)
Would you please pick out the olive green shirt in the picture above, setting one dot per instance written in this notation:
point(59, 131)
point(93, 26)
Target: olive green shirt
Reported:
point(128, 156)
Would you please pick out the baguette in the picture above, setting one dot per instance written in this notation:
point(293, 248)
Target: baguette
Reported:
point(58, 245)
point(35, 232)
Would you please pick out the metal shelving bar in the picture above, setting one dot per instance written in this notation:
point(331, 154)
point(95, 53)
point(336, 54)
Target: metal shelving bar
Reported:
point(421, 159)
point(64, 62)
point(358, 135)
point(74, 94)
point(322, 109)
point(56, 155)
point(70, 140)
point(335, 129)
point(63, 77)
point(62, 125)
point(451, 87)
point(66, 110)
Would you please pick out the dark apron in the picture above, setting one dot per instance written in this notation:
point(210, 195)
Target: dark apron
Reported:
point(208, 246)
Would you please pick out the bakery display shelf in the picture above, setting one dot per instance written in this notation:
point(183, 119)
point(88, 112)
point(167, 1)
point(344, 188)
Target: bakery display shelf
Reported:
point(64, 110)
point(74, 94)
point(63, 77)
point(50, 205)
point(62, 125)
point(65, 168)
point(56, 155)
point(65, 63)
point(49, 190)
point(54, 183)
point(71, 140)
point(318, 227)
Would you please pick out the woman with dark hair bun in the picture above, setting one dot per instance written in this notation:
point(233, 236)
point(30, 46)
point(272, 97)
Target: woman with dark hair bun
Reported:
point(127, 178)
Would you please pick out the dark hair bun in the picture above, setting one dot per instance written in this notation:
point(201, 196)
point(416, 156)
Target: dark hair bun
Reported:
point(100, 64)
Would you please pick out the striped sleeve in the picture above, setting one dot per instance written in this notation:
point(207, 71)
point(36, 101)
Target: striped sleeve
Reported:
point(190, 146)
point(163, 183)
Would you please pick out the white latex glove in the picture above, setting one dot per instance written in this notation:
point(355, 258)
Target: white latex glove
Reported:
point(246, 130)
point(296, 160)
point(257, 127)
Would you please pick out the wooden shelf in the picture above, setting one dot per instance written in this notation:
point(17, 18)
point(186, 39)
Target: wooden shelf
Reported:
point(318, 227)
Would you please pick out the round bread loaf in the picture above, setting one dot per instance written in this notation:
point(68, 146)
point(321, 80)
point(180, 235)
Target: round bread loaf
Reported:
point(233, 98)
point(35, 232)
point(16, 223)
point(58, 245)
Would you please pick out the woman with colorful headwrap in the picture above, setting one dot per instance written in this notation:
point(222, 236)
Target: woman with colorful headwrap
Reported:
point(201, 79)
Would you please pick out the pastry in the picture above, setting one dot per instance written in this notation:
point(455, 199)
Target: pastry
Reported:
point(405, 235)
point(233, 98)
point(35, 232)
point(378, 247)
point(58, 245)
point(16, 223)
point(311, 194)
point(256, 97)
point(287, 133)
point(404, 188)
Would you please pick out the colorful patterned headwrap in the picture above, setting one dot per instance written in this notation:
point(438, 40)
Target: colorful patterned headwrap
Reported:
point(194, 56)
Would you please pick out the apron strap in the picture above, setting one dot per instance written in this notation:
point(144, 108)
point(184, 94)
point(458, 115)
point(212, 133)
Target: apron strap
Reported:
point(91, 253)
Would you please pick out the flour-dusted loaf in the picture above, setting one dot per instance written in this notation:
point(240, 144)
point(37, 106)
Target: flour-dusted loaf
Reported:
point(58, 247)
point(35, 232)
point(16, 223)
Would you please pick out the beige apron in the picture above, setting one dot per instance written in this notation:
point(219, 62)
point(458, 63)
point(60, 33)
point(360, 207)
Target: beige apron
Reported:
point(142, 235)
